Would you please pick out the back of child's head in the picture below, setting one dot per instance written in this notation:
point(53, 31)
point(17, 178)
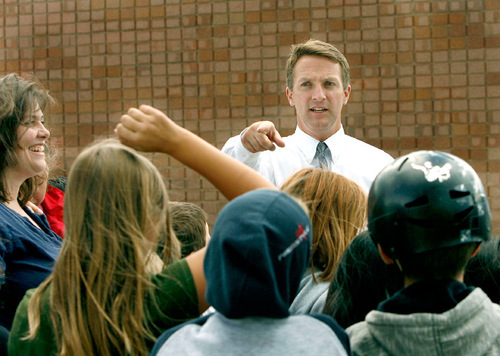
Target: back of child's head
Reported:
point(260, 247)
point(116, 209)
point(58, 182)
point(189, 222)
point(361, 281)
point(483, 270)
point(113, 191)
point(428, 210)
point(337, 207)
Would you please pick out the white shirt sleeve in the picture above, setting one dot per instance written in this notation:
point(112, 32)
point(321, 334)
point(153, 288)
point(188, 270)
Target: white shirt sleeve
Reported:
point(234, 148)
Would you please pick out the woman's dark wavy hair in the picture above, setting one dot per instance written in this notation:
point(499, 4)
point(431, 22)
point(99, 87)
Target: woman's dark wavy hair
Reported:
point(18, 94)
point(483, 270)
point(362, 280)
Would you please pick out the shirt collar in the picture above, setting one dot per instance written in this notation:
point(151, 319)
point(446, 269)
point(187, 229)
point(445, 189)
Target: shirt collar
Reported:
point(307, 144)
point(426, 297)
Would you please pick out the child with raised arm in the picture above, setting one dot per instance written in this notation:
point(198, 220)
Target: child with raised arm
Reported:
point(99, 299)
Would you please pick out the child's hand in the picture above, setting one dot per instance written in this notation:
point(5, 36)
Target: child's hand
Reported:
point(148, 129)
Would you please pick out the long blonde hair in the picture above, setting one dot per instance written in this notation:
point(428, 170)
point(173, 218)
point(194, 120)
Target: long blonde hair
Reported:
point(337, 207)
point(116, 208)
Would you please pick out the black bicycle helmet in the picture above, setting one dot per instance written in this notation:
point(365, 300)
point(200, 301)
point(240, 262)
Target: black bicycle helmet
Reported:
point(425, 201)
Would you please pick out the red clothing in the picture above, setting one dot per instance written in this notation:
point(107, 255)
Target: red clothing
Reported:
point(52, 207)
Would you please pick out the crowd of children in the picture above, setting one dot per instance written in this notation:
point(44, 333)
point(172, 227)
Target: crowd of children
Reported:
point(316, 267)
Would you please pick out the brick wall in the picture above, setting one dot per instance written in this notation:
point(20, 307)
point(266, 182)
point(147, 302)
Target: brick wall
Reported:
point(425, 74)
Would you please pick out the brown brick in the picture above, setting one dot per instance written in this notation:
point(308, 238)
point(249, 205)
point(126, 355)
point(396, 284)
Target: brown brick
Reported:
point(457, 30)
point(475, 42)
point(406, 94)
point(405, 57)
point(440, 44)
point(425, 143)
point(408, 143)
point(422, 94)
point(492, 5)
point(440, 19)
point(269, 16)
point(461, 152)
point(442, 142)
point(478, 129)
point(352, 24)
point(370, 59)
point(424, 32)
point(457, 18)
point(457, 43)
point(475, 29)
point(252, 17)
point(301, 14)
point(493, 78)
point(390, 144)
point(492, 42)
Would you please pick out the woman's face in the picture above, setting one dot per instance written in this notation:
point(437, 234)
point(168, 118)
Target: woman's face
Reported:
point(31, 138)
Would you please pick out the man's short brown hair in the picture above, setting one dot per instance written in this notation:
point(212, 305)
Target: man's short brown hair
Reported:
point(320, 49)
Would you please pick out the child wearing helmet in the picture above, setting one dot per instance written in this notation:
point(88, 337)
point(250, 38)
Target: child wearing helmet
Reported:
point(428, 213)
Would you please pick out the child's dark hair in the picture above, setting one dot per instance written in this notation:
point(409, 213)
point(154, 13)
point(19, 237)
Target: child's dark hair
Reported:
point(483, 270)
point(362, 280)
point(443, 263)
point(58, 182)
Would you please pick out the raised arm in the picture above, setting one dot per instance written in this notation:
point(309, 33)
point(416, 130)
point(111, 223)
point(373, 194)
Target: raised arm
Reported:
point(148, 129)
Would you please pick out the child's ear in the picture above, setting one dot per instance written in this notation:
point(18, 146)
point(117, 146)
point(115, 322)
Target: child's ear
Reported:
point(384, 256)
point(476, 250)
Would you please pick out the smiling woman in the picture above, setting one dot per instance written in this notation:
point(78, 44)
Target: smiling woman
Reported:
point(28, 247)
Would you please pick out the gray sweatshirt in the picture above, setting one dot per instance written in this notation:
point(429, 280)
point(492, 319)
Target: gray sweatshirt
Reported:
point(471, 328)
point(296, 335)
point(311, 297)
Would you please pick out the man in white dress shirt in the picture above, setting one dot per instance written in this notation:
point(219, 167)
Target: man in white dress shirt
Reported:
point(318, 87)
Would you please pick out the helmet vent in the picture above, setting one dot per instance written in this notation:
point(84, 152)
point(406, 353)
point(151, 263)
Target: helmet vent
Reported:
point(423, 200)
point(402, 163)
point(456, 194)
point(425, 223)
point(459, 217)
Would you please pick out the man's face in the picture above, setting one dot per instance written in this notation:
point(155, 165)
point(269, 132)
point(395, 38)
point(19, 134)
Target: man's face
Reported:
point(318, 96)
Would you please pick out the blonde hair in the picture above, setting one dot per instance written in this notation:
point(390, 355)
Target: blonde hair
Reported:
point(189, 224)
point(116, 209)
point(337, 208)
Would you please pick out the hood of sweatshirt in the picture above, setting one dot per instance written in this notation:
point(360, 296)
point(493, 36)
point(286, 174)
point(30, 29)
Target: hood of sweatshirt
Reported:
point(472, 327)
point(260, 247)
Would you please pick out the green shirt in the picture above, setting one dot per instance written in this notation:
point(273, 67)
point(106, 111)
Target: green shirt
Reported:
point(176, 301)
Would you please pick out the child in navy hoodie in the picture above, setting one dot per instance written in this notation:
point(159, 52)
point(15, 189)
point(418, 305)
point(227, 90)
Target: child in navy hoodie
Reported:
point(260, 247)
